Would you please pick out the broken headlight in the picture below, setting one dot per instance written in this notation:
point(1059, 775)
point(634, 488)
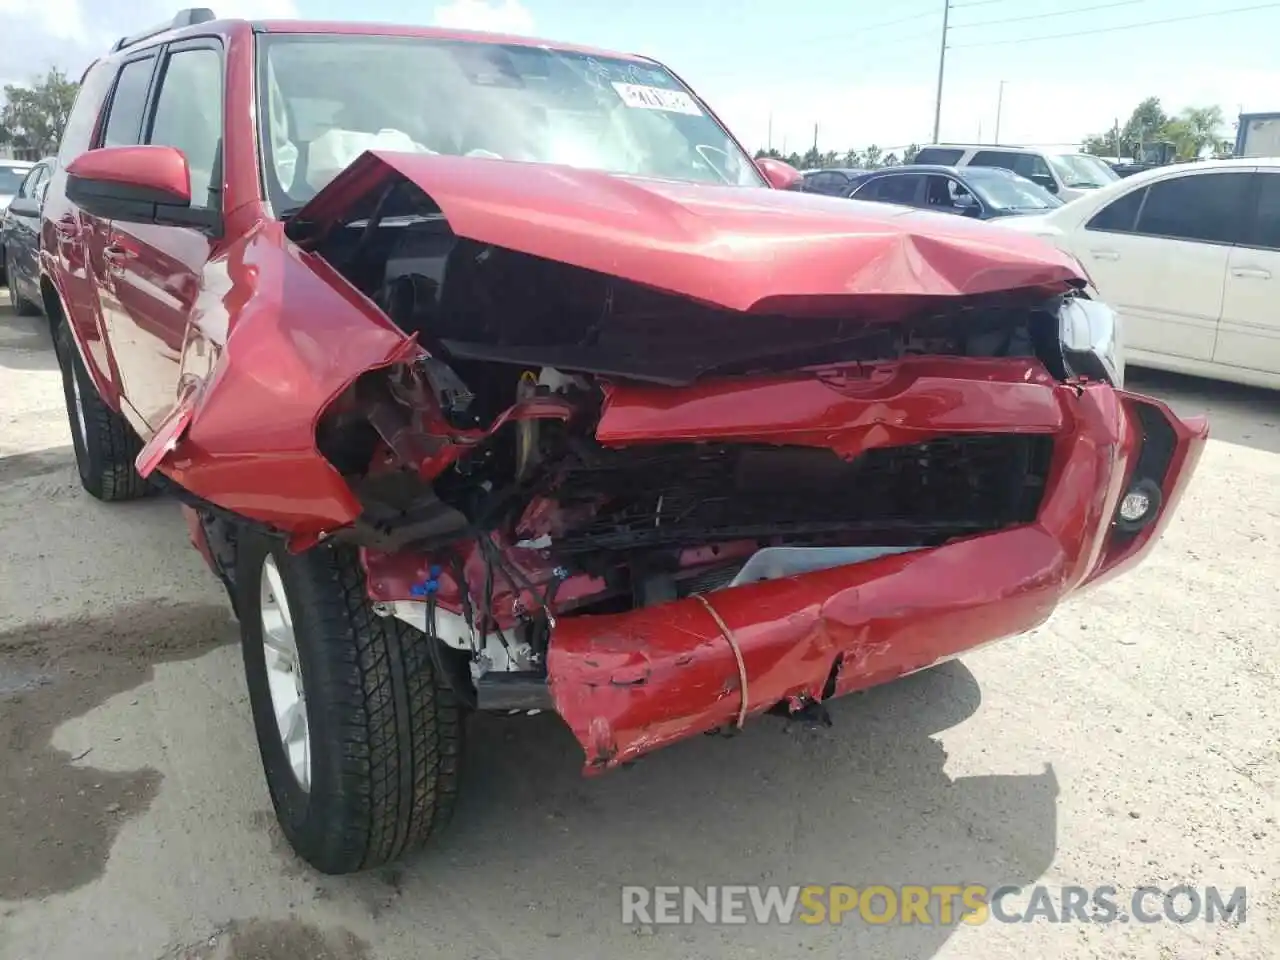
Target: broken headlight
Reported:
point(1089, 332)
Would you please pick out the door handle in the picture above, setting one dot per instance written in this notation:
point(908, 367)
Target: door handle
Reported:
point(1104, 255)
point(1251, 273)
point(116, 255)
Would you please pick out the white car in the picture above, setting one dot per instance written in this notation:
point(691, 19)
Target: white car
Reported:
point(12, 173)
point(1189, 255)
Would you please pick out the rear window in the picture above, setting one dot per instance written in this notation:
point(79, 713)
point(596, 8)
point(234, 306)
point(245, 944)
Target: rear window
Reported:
point(940, 155)
point(84, 115)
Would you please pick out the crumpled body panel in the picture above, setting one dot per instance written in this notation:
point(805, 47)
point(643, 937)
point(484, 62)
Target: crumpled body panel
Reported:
point(746, 249)
point(629, 683)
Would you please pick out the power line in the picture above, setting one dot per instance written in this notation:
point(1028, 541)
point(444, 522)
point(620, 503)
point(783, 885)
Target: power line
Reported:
point(1126, 26)
point(1042, 16)
point(976, 3)
point(914, 16)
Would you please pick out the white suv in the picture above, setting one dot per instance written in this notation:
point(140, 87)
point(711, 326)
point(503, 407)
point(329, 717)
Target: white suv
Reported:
point(1068, 175)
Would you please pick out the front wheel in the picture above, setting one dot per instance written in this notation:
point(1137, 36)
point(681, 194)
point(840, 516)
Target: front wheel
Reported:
point(360, 740)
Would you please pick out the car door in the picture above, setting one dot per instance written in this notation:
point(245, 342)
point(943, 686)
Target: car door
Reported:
point(1159, 253)
point(21, 231)
point(120, 126)
point(1249, 333)
point(156, 268)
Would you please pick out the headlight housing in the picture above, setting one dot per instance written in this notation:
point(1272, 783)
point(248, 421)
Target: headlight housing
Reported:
point(1089, 332)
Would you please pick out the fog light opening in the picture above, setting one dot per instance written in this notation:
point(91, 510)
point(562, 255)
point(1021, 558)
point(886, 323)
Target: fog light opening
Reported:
point(1139, 506)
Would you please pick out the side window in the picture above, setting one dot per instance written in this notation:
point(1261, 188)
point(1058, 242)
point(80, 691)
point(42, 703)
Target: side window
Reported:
point(128, 103)
point(1119, 215)
point(995, 158)
point(189, 116)
point(1031, 165)
point(30, 183)
point(898, 189)
point(939, 155)
point(78, 133)
point(1266, 226)
point(1206, 207)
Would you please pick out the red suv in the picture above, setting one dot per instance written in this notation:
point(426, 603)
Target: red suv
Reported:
point(494, 375)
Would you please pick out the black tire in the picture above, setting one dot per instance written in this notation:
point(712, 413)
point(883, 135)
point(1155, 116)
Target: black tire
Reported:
point(21, 305)
point(107, 447)
point(385, 732)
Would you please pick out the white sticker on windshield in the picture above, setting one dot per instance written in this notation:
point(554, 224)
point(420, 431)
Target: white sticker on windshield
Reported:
point(657, 98)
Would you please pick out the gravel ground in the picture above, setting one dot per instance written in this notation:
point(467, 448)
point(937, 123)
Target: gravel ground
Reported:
point(1130, 741)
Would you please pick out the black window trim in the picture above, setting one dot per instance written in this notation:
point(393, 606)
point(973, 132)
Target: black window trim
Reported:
point(1250, 197)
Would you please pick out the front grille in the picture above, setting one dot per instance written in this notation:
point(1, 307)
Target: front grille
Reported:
point(689, 494)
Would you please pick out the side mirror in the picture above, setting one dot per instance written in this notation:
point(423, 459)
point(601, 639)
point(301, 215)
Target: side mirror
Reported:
point(781, 175)
point(1046, 181)
point(145, 184)
point(24, 207)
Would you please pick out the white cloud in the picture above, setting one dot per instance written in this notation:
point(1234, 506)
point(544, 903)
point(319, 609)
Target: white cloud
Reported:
point(495, 16)
point(39, 34)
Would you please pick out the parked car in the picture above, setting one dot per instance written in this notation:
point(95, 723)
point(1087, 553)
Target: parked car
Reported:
point(833, 182)
point(1189, 254)
point(12, 173)
point(1067, 175)
point(983, 193)
point(20, 239)
point(601, 431)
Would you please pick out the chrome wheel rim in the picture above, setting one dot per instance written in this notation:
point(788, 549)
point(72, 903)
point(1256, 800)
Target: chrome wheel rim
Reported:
point(77, 402)
point(284, 676)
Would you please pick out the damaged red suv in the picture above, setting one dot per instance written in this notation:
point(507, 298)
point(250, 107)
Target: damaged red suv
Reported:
point(494, 375)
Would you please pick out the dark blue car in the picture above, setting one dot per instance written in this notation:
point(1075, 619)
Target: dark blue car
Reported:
point(20, 239)
point(984, 193)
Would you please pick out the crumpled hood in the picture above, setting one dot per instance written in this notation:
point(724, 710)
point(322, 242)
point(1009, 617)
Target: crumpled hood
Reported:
point(748, 249)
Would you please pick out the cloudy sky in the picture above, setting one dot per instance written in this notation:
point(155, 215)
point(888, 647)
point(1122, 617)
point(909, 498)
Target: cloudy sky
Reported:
point(863, 72)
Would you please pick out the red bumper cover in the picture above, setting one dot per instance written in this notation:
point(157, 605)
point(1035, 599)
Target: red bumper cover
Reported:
point(627, 684)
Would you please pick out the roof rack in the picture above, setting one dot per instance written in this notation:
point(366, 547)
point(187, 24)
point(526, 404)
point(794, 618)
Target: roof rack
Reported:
point(184, 18)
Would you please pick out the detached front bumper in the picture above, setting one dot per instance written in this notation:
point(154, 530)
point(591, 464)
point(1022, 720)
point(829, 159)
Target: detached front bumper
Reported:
point(629, 683)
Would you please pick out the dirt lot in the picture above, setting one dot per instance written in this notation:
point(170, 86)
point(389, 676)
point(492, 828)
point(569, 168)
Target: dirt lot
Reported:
point(1131, 741)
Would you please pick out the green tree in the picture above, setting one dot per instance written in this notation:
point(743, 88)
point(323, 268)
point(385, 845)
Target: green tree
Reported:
point(33, 118)
point(1196, 130)
point(872, 158)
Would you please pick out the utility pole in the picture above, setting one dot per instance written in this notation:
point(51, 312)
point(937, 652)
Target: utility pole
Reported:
point(942, 67)
point(999, 104)
point(815, 138)
point(770, 132)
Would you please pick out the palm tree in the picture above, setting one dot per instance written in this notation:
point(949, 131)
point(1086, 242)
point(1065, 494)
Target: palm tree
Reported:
point(1196, 130)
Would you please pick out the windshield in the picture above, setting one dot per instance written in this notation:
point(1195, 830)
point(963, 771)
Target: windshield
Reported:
point(11, 179)
point(1005, 191)
point(1082, 170)
point(329, 98)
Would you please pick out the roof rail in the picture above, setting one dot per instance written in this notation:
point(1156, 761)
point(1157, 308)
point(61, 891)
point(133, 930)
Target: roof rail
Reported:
point(184, 18)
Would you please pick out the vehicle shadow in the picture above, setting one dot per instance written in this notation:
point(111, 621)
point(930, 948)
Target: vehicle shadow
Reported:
point(25, 343)
point(865, 802)
point(1248, 416)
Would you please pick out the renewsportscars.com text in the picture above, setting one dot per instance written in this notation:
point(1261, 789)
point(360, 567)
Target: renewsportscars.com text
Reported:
point(942, 904)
